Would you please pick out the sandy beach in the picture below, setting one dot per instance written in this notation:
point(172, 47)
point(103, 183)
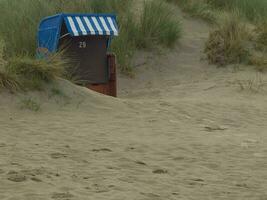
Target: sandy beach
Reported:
point(180, 129)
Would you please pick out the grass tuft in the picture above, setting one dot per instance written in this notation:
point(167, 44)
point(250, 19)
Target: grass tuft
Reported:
point(228, 43)
point(158, 25)
point(30, 104)
point(20, 20)
point(254, 84)
point(259, 61)
point(33, 73)
point(253, 10)
point(8, 82)
point(135, 32)
point(197, 8)
point(124, 46)
point(261, 32)
point(118, 6)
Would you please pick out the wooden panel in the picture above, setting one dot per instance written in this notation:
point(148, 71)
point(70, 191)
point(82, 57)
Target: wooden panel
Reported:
point(112, 75)
point(109, 88)
point(87, 55)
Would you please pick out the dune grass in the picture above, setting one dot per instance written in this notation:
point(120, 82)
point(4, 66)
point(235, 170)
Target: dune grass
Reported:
point(26, 72)
point(20, 20)
point(123, 46)
point(254, 84)
point(261, 39)
point(197, 8)
point(33, 73)
point(18, 15)
point(253, 10)
point(158, 25)
point(30, 104)
point(111, 6)
point(259, 61)
point(231, 41)
point(228, 43)
point(7, 81)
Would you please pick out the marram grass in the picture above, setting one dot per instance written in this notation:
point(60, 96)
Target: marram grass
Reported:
point(8, 82)
point(228, 43)
point(33, 73)
point(18, 15)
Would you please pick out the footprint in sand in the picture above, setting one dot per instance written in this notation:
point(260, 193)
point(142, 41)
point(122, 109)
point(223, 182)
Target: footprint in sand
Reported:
point(58, 155)
point(2, 171)
point(62, 196)
point(16, 176)
point(160, 171)
point(196, 182)
point(100, 188)
point(2, 145)
point(140, 163)
point(35, 179)
point(150, 195)
point(213, 128)
point(35, 175)
point(130, 148)
point(102, 150)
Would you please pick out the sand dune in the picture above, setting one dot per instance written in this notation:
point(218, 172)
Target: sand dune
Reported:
point(181, 129)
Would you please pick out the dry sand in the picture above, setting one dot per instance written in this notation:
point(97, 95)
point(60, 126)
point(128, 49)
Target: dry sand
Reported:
point(181, 129)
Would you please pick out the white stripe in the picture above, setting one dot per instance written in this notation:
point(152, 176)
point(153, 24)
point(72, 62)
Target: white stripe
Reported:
point(89, 25)
point(97, 26)
point(113, 26)
point(73, 27)
point(105, 25)
point(84, 32)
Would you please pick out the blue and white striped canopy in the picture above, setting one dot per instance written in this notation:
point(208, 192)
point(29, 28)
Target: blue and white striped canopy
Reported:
point(50, 28)
point(80, 25)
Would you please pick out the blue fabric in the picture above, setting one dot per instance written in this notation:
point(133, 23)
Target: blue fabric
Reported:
point(49, 33)
point(77, 25)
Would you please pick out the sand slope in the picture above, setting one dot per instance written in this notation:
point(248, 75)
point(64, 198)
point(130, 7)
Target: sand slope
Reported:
point(181, 130)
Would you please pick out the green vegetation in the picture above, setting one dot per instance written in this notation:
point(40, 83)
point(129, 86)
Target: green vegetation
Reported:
point(27, 73)
point(234, 42)
point(237, 43)
point(158, 25)
point(254, 84)
point(261, 39)
point(228, 44)
point(253, 10)
point(32, 73)
point(259, 61)
point(59, 96)
point(118, 6)
point(8, 82)
point(18, 29)
point(18, 15)
point(30, 104)
point(240, 33)
point(20, 20)
point(123, 46)
point(197, 8)
point(57, 92)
